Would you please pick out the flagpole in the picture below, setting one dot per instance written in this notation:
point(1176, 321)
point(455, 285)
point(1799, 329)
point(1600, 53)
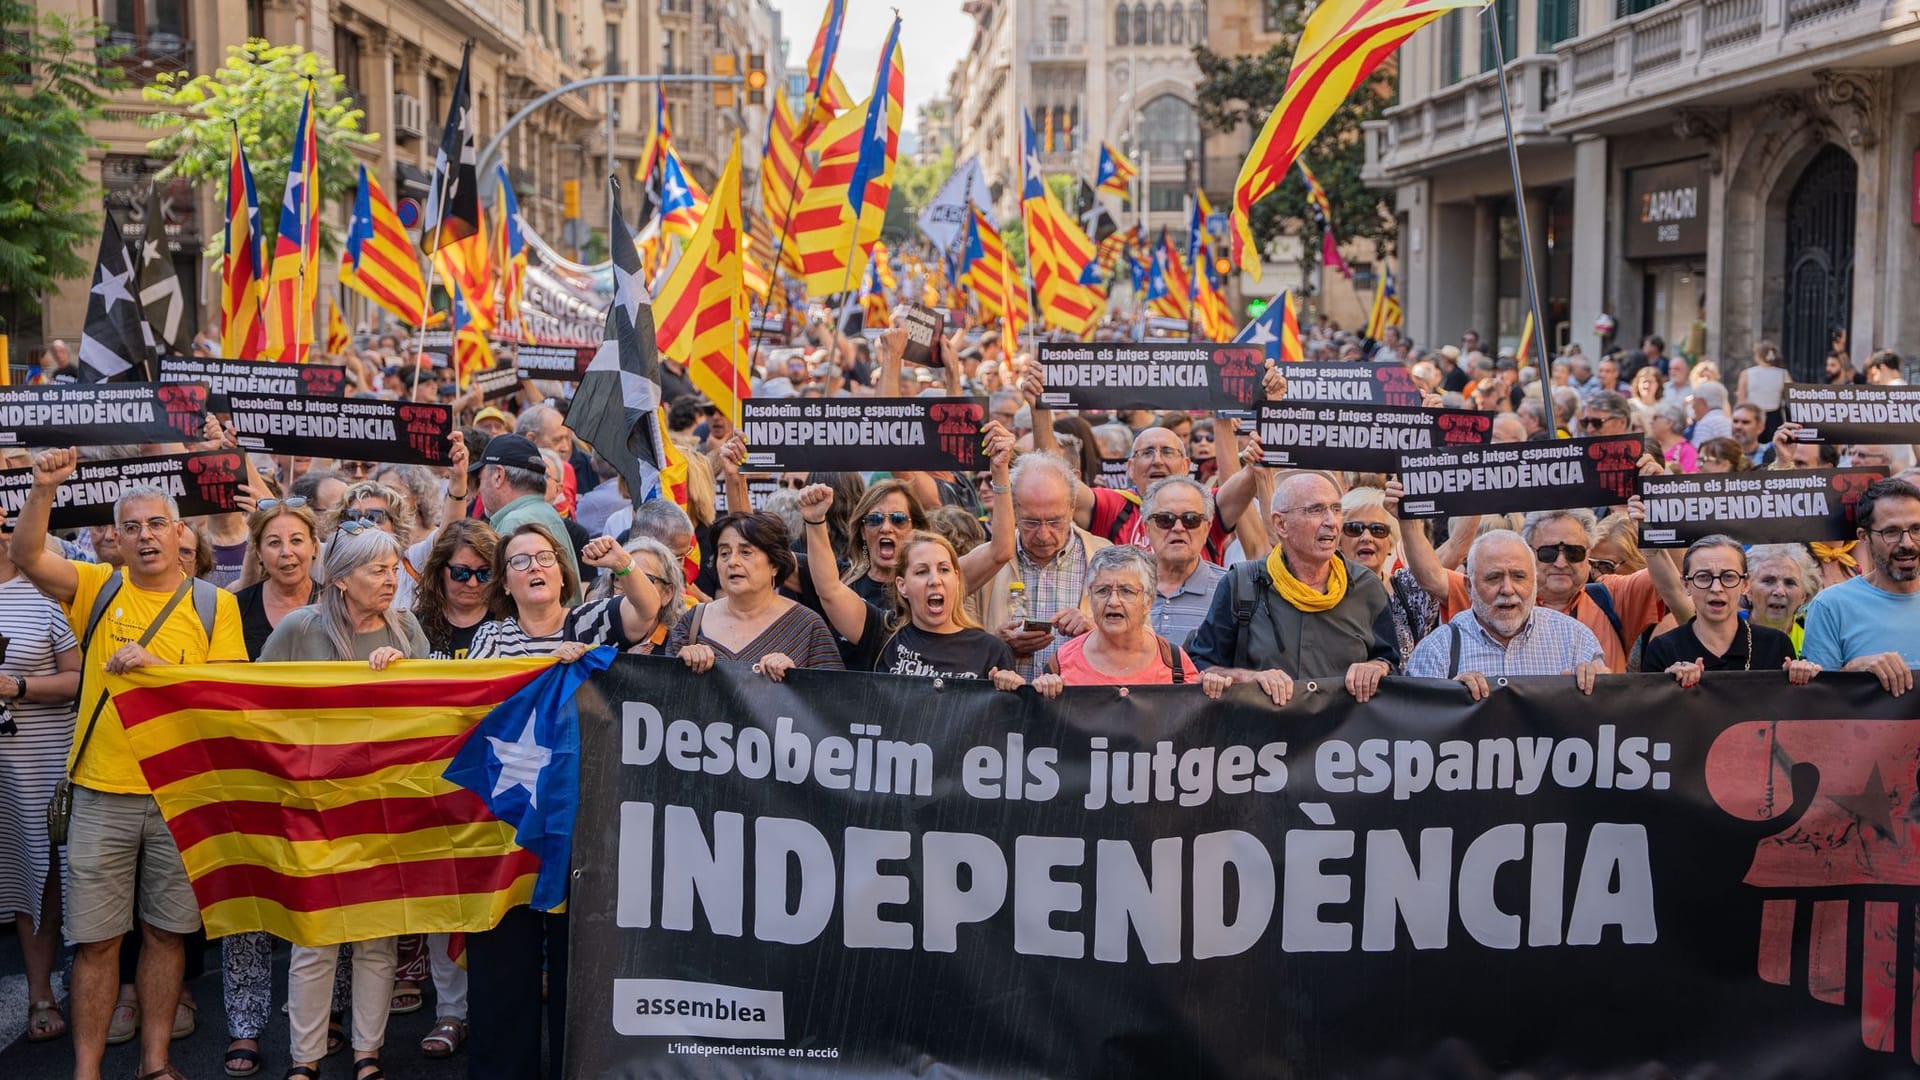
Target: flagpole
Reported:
point(846, 283)
point(786, 226)
point(1519, 190)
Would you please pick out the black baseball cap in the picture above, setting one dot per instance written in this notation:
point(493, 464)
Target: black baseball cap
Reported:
point(513, 451)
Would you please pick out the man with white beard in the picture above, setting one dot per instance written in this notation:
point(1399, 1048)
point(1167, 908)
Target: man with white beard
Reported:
point(1504, 633)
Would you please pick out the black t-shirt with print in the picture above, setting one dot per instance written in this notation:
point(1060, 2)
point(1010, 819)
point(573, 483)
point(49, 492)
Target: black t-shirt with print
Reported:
point(963, 654)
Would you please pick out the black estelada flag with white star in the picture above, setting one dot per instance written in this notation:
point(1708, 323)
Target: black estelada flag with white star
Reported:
point(453, 196)
point(162, 301)
point(1095, 218)
point(113, 345)
point(617, 406)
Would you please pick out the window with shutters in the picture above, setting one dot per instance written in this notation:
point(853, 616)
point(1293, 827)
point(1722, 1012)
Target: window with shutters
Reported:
point(1506, 15)
point(1558, 20)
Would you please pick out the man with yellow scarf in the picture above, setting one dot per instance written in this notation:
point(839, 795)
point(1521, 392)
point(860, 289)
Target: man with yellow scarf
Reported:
point(1306, 611)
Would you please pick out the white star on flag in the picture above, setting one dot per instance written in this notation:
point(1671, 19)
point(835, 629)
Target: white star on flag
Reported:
point(1262, 334)
point(112, 288)
point(521, 762)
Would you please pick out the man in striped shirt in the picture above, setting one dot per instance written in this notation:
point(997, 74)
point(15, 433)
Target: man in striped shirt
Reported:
point(1504, 633)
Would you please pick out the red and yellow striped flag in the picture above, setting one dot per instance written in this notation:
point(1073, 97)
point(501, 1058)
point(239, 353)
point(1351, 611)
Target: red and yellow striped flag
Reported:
point(309, 801)
point(702, 306)
point(781, 160)
point(379, 260)
point(1342, 44)
point(1291, 348)
point(1526, 343)
point(339, 337)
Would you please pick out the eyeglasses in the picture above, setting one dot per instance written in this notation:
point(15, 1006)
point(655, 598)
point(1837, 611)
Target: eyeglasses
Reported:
point(1894, 534)
point(354, 526)
point(658, 582)
point(1594, 423)
point(526, 559)
point(899, 518)
point(1166, 519)
point(358, 467)
point(1550, 553)
point(1379, 530)
point(132, 529)
point(464, 574)
point(1603, 566)
point(1317, 510)
point(1036, 524)
point(1704, 579)
point(1128, 593)
point(293, 503)
point(794, 483)
point(370, 514)
point(1165, 453)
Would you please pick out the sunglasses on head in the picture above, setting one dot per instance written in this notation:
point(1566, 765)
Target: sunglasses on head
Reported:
point(1166, 519)
point(354, 527)
point(1379, 530)
point(1550, 553)
point(1603, 566)
point(899, 518)
point(293, 503)
point(464, 574)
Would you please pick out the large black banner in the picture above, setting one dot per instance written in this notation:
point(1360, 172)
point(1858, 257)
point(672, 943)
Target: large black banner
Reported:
point(1763, 507)
point(862, 876)
point(1151, 375)
point(102, 414)
point(1364, 438)
point(1505, 477)
point(364, 429)
point(1855, 414)
point(853, 434)
point(203, 483)
point(224, 377)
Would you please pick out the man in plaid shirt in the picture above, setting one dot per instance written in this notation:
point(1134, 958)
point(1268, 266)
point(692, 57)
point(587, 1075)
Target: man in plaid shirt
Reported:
point(1504, 633)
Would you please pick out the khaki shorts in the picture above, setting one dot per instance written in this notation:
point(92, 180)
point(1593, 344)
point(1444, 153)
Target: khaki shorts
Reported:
point(119, 849)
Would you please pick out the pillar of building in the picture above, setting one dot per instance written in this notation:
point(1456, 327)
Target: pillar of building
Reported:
point(1587, 292)
point(1486, 269)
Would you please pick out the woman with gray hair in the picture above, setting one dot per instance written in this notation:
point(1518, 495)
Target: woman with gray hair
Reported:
point(1668, 426)
point(1783, 578)
point(1120, 650)
point(654, 562)
point(354, 619)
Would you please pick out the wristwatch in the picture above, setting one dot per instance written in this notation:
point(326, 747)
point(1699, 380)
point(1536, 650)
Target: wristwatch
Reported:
point(21, 682)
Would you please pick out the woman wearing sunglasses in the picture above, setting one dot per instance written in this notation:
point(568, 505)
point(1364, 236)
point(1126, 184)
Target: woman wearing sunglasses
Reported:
point(451, 600)
point(1369, 536)
point(531, 579)
point(1717, 638)
point(889, 511)
point(927, 630)
point(354, 619)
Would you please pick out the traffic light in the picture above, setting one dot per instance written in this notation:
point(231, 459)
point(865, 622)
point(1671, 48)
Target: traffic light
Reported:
point(756, 78)
point(724, 64)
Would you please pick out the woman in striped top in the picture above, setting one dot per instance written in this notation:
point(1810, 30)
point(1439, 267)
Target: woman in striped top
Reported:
point(751, 621)
point(39, 676)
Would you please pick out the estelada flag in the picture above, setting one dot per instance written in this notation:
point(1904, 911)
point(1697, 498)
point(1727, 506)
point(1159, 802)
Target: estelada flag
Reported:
point(325, 803)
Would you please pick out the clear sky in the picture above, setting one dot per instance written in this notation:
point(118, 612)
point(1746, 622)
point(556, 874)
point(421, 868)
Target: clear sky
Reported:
point(934, 34)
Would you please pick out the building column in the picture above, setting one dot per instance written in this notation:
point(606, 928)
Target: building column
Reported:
point(1588, 290)
point(1486, 270)
point(1536, 204)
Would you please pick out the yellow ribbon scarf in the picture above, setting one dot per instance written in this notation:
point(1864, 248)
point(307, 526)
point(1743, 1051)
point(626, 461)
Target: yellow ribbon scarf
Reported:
point(1836, 553)
point(1302, 595)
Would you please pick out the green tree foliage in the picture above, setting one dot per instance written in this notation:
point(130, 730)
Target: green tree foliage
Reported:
point(1242, 90)
point(914, 186)
point(55, 71)
point(260, 88)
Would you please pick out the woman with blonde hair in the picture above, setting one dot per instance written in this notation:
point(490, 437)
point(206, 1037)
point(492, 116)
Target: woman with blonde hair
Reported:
point(1616, 547)
point(926, 630)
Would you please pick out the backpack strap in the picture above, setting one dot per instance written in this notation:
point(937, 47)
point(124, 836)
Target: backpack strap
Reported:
point(1053, 663)
point(693, 627)
point(206, 604)
point(1130, 505)
point(146, 637)
point(108, 590)
point(1602, 598)
point(1247, 586)
point(1175, 659)
point(1453, 651)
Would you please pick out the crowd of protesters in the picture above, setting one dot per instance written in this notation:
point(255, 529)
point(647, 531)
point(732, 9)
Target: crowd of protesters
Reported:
point(1202, 567)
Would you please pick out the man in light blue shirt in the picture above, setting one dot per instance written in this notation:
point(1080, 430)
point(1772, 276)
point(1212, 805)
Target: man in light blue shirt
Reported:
point(1178, 512)
point(1872, 622)
point(1504, 633)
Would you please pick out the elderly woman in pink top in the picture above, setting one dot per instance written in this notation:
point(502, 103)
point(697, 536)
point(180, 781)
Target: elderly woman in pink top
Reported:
point(1120, 650)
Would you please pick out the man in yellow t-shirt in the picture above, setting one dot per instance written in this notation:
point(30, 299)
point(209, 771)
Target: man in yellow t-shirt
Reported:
point(118, 846)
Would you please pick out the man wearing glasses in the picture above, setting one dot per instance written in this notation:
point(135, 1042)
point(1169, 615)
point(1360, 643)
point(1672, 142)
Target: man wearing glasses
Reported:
point(1605, 413)
point(1869, 623)
point(1050, 560)
point(119, 851)
point(1307, 611)
point(1178, 511)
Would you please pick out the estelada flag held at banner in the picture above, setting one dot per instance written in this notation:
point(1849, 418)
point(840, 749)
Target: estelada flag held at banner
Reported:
point(325, 803)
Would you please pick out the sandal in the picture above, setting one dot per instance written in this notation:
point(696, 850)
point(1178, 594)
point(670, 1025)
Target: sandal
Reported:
point(336, 1034)
point(368, 1063)
point(125, 1023)
point(186, 1017)
point(406, 999)
point(45, 1022)
point(248, 1057)
point(445, 1037)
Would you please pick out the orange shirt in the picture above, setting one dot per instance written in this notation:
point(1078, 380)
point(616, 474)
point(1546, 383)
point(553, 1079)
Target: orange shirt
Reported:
point(1635, 601)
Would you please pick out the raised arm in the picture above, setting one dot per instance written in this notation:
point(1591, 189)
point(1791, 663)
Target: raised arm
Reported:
point(1453, 550)
point(1422, 560)
point(49, 573)
point(842, 606)
point(639, 614)
point(1043, 440)
point(893, 342)
point(1663, 567)
point(731, 455)
point(977, 567)
point(457, 479)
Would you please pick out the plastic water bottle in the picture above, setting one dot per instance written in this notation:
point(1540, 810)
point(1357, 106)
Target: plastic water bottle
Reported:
point(1017, 601)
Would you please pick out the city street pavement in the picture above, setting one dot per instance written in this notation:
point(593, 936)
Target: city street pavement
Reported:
point(202, 1055)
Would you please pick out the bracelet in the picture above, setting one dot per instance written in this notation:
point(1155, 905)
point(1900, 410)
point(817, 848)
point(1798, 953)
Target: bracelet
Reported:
point(999, 489)
point(624, 571)
point(810, 521)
